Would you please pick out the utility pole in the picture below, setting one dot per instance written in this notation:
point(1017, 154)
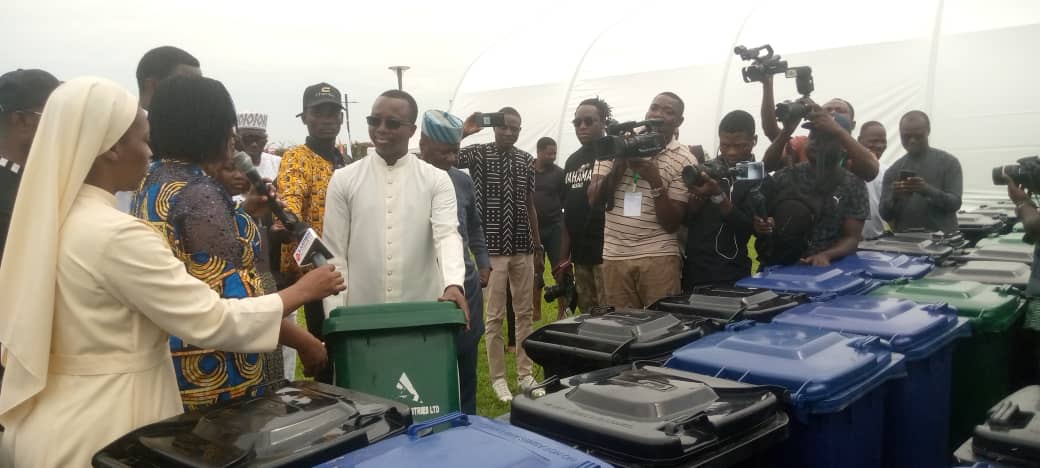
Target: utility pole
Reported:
point(346, 110)
point(399, 69)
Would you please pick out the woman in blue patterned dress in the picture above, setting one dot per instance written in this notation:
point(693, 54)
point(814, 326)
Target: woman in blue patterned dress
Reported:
point(192, 126)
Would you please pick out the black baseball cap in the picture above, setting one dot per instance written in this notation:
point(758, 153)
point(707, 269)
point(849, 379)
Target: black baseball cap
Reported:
point(25, 89)
point(321, 93)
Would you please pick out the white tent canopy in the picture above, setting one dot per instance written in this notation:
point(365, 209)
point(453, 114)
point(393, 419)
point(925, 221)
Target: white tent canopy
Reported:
point(967, 63)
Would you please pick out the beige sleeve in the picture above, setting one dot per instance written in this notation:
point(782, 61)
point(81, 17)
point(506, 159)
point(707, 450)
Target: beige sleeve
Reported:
point(139, 270)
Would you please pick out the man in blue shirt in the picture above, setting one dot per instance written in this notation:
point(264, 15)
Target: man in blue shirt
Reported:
point(439, 146)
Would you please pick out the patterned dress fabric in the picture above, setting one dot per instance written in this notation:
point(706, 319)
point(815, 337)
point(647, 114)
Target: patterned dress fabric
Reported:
point(219, 244)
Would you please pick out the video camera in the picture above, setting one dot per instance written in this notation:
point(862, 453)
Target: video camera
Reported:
point(623, 141)
point(763, 62)
point(718, 169)
point(1026, 173)
point(798, 108)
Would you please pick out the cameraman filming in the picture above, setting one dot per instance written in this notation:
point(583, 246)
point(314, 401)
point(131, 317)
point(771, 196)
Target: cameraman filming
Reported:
point(640, 245)
point(816, 208)
point(718, 221)
point(861, 161)
point(1027, 212)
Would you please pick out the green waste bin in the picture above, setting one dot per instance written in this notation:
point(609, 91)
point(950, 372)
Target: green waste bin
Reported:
point(404, 352)
point(981, 363)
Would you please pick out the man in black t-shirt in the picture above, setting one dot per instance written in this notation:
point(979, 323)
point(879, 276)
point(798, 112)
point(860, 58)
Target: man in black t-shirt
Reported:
point(817, 208)
point(718, 216)
point(582, 243)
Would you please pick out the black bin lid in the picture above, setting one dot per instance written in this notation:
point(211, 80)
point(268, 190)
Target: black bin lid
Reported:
point(298, 423)
point(585, 342)
point(725, 304)
point(1011, 434)
point(648, 415)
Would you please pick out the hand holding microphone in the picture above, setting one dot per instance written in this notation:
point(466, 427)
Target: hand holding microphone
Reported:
point(311, 248)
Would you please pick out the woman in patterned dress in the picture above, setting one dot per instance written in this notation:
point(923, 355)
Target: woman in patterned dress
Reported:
point(193, 121)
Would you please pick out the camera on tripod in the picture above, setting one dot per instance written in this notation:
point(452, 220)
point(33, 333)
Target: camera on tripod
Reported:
point(1026, 173)
point(763, 62)
point(797, 109)
point(631, 140)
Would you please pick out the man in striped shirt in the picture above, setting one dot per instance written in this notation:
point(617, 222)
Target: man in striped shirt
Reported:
point(640, 246)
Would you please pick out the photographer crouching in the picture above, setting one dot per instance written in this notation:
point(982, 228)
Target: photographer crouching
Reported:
point(1026, 174)
point(717, 216)
point(815, 209)
point(639, 178)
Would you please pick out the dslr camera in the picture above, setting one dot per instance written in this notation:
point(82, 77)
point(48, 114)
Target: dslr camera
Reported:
point(631, 140)
point(718, 169)
point(1026, 173)
point(797, 108)
point(565, 288)
point(763, 62)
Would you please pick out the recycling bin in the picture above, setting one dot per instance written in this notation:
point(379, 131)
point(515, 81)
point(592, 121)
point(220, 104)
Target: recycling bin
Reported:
point(403, 351)
point(981, 363)
point(836, 384)
point(917, 417)
point(296, 424)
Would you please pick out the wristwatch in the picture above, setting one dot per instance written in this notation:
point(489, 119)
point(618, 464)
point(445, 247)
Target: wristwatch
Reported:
point(656, 192)
point(718, 198)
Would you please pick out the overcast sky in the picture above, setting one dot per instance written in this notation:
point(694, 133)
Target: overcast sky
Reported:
point(266, 53)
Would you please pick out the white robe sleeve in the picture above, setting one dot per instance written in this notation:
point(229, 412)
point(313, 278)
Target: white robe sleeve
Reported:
point(446, 238)
point(148, 278)
point(336, 233)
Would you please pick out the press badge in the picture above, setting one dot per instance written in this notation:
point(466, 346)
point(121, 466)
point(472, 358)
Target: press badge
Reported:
point(634, 203)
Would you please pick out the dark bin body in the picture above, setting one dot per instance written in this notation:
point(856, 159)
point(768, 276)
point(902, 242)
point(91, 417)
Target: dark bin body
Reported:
point(917, 416)
point(981, 363)
point(471, 441)
point(650, 416)
point(837, 384)
point(403, 351)
point(726, 304)
point(1010, 436)
point(300, 424)
point(585, 343)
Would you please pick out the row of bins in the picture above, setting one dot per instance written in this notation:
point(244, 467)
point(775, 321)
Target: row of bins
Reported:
point(871, 342)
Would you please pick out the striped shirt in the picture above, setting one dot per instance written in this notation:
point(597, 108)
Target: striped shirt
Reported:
point(503, 184)
point(631, 237)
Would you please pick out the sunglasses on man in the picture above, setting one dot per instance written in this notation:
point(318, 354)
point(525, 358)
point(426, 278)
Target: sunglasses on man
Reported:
point(390, 122)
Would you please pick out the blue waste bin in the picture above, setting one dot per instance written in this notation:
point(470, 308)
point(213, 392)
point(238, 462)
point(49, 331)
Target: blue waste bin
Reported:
point(836, 385)
point(917, 417)
point(472, 441)
point(810, 280)
point(886, 265)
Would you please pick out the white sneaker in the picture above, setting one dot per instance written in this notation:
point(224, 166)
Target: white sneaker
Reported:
point(502, 390)
point(527, 382)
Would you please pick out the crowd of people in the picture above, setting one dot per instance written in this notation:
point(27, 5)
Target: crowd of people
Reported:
point(170, 272)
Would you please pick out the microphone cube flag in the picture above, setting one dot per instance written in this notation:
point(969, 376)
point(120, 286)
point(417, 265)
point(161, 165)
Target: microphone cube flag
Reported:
point(302, 251)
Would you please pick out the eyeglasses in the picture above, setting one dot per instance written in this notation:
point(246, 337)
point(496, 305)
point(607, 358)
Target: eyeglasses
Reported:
point(391, 123)
point(588, 121)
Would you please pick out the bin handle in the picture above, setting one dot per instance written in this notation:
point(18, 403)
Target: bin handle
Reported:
point(455, 418)
point(741, 325)
point(863, 342)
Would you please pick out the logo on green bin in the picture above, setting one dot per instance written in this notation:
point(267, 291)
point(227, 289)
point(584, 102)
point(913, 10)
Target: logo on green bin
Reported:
point(406, 391)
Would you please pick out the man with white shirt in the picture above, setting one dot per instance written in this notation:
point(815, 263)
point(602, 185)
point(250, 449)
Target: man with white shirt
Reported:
point(391, 221)
point(873, 136)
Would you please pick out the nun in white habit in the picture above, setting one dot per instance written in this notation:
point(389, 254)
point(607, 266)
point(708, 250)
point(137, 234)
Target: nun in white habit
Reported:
point(91, 293)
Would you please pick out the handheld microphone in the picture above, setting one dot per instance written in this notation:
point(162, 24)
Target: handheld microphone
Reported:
point(244, 164)
point(311, 249)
